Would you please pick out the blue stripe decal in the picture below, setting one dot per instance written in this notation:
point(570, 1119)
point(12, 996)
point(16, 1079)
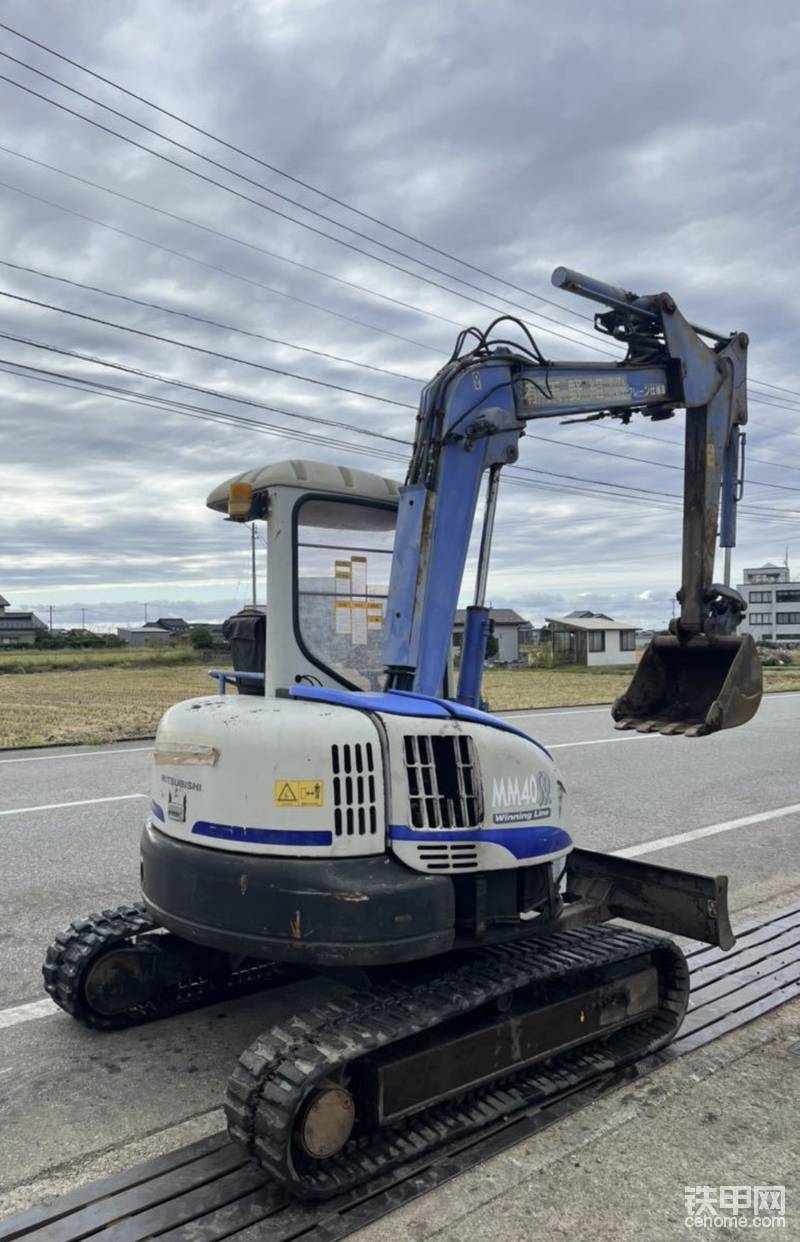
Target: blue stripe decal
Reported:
point(261, 836)
point(157, 811)
point(524, 842)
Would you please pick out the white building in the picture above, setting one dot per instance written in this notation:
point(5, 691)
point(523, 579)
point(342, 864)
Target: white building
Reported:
point(508, 628)
point(592, 639)
point(773, 604)
point(144, 636)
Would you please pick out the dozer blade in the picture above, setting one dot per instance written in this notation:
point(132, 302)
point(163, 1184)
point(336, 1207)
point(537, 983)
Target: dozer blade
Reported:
point(693, 687)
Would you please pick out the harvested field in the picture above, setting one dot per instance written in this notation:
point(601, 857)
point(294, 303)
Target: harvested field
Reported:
point(566, 687)
point(92, 706)
point(36, 661)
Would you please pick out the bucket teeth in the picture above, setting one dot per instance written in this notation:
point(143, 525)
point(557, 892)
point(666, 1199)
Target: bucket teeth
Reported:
point(692, 686)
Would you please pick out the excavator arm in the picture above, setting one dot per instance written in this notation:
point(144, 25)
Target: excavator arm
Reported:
point(701, 677)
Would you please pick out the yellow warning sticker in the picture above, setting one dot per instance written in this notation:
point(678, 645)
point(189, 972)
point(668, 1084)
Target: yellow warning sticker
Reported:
point(297, 793)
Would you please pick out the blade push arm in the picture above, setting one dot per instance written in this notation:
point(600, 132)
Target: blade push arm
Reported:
point(472, 416)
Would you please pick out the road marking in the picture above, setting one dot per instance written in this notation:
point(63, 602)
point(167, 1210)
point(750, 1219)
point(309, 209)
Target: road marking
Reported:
point(84, 754)
point(27, 1013)
point(601, 741)
point(57, 806)
point(694, 834)
point(45, 1008)
point(568, 711)
point(545, 713)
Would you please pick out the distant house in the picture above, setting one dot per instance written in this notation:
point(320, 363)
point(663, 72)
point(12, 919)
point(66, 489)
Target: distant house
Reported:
point(18, 628)
point(150, 635)
point(509, 629)
point(176, 625)
point(592, 639)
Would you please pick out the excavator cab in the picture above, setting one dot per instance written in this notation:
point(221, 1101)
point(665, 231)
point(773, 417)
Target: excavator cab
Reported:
point(696, 686)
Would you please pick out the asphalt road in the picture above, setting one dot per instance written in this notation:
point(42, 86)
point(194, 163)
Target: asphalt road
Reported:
point(69, 826)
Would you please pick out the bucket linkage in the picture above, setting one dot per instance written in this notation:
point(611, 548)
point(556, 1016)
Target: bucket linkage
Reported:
point(692, 686)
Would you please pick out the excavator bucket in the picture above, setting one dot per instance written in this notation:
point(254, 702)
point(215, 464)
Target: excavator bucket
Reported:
point(692, 687)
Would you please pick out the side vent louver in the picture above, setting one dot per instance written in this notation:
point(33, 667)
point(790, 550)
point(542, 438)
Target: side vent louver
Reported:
point(443, 784)
point(355, 812)
point(447, 857)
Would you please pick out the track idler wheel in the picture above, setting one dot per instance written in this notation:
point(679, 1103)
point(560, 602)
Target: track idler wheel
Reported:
point(120, 968)
point(326, 1121)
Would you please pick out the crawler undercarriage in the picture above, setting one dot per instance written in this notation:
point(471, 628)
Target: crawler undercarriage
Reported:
point(402, 1058)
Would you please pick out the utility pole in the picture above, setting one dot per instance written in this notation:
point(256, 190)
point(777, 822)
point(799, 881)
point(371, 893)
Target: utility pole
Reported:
point(83, 618)
point(50, 606)
point(253, 559)
point(145, 614)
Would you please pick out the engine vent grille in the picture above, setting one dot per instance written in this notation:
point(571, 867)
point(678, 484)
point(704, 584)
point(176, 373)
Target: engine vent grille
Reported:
point(458, 856)
point(355, 812)
point(443, 783)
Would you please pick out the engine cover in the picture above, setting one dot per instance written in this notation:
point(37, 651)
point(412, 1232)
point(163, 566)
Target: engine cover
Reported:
point(313, 779)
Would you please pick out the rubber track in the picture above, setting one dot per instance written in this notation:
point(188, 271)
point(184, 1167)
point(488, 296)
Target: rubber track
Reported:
point(74, 951)
point(279, 1069)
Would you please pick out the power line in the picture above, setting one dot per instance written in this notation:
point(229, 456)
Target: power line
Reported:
point(644, 461)
point(616, 491)
point(285, 198)
point(247, 198)
point(213, 353)
point(247, 362)
point(230, 237)
point(757, 398)
point(163, 379)
point(225, 271)
point(213, 267)
point(76, 284)
point(297, 181)
point(302, 206)
point(200, 349)
point(676, 444)
point(213, 323)
point(170, 405)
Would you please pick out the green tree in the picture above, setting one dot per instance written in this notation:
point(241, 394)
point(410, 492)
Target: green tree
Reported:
point(202, 637)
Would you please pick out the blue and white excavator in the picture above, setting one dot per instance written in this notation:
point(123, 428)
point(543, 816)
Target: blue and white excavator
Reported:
point(354, 816)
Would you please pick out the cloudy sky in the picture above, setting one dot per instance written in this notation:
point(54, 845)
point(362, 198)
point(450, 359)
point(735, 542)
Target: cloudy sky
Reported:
point(655, 148)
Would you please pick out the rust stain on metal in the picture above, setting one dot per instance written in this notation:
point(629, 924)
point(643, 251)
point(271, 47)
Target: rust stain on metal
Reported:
point(424, 543)
point(295, 928)
point(179, 753)
point(351, 897)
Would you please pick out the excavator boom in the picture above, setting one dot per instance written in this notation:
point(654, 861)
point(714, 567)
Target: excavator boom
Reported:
point(701, 677)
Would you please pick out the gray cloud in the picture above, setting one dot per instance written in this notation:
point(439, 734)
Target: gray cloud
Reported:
point(653, 148)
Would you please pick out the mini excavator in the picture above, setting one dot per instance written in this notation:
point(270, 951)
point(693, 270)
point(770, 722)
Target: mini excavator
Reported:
point(354, 816)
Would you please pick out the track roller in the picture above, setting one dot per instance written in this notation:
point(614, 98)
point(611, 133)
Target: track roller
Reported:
point(361, 1084)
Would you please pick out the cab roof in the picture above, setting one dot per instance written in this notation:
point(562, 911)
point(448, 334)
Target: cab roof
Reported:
point(311, 476)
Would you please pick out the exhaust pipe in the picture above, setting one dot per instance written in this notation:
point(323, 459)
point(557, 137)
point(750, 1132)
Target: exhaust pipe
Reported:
point(695, 687)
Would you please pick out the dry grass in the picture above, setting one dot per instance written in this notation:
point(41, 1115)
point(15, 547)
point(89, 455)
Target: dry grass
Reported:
point(533, 687)
point(35, 661)
point(104, 705)
point(95, 705)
